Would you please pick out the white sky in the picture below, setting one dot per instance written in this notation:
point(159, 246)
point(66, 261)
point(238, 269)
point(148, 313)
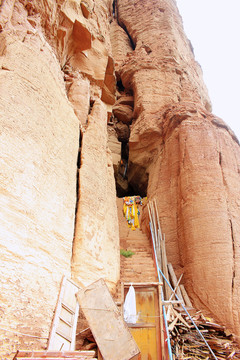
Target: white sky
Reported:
point(213, 27)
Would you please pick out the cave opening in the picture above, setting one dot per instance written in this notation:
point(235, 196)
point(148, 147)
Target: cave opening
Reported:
point(130, 179)
point(114, 8)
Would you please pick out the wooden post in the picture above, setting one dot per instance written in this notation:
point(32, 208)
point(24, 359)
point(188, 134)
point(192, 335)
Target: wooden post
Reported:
point(174, 281)
point(185, 296)
point(122, 298)
point(154, 219)
point(165, 269)
point(159, 225)
point(161, 324)
point(176, 287)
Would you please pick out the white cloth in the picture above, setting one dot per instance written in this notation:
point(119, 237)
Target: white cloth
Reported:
point(129, 307)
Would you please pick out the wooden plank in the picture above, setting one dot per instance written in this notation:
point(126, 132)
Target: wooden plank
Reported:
point(175, 289)
point(159, 239)
point(181, 318)
point(56, 314)
point(151, 221)
point(157, 322)
point(174, 281)
point(165, 269)
point(82, 357)
point(161, 323)
point(158, 221)
point(168, 302)
point(154, 234)
point(185, 296)
point(63, 331)
point(145, 284)
point(154, 220)
point(172, 325)
point(141, 325)
point(159, 253)
point(122, 299)
point(109, 330)
point(54, 354)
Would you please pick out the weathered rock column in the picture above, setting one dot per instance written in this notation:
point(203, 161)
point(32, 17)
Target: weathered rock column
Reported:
point(39, 142)
point(39, 147)
point(96, 242)
point(192, 158)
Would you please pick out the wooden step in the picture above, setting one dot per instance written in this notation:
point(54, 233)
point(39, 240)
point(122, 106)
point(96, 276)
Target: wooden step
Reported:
point(138, 259)
point(138, 249)
point(139, 242)
point(140, 237)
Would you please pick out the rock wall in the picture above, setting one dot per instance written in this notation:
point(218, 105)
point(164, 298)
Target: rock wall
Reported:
point(190, 157)
point(60, 63)
point(96, 251)
point(55, 62)
point(39, 145)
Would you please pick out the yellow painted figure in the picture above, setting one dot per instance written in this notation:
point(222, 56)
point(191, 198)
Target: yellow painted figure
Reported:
point(131, 210)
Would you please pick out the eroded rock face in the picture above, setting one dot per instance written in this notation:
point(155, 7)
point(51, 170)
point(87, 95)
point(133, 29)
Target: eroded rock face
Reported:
point(39, 144)
point(58, 74)
point(185, 150)
point(199, 196)
point(55, 62)
point(96, 251)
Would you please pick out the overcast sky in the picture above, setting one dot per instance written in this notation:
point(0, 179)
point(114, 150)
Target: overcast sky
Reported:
point(213, 27)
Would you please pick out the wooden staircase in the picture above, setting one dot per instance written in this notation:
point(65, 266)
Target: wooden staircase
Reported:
point(140, 267)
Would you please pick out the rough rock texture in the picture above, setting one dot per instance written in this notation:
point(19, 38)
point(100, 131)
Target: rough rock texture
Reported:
point(115, 146)
point(60, 64)
point(192, 158)
point(123, 113)
point(121, 45)
point(79, 95)
point(49, 51)
point(39, 145)
point(122, 131)
point(96, 243)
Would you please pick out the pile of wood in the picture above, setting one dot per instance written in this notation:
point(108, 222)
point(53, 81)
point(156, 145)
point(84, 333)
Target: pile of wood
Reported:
point(186, 342)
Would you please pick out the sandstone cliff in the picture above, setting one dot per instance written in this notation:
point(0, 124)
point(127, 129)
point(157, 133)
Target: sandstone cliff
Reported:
point(67, 68)
point(56, 69)
point(191, 157)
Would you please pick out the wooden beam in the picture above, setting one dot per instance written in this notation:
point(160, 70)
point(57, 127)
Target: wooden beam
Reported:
point(122, 298)
point(174, 281)
point(168, 302)
point(55, 354)
point(165, 269)
point(161, 323)
point(175, 289)
point(185, 296)
point(106, 323)
point(139, 284)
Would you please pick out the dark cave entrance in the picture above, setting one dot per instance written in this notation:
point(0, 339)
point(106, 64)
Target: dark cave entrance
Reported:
point(130, 179)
